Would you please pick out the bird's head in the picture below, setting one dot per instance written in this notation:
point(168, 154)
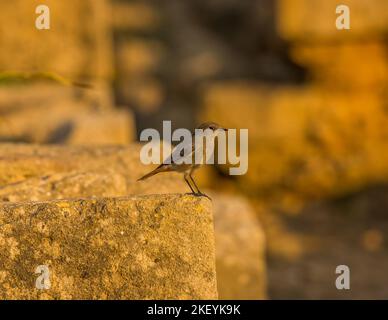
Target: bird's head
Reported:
point(215, 127)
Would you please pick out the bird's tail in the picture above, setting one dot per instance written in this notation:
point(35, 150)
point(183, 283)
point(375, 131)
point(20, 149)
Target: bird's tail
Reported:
point(153, 172)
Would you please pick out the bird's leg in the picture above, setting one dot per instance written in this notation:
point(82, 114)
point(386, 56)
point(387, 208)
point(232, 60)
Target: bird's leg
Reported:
point(199, 191)
point(187, 181)
point(191, 178)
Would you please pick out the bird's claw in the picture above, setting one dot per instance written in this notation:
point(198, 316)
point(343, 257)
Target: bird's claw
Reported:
point(200, 194)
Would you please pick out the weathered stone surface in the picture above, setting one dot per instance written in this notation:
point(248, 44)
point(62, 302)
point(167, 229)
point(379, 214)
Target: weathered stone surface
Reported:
point(314, 20)
point(42, 173)
point(150, 247)
point(240, 249)
point(75, 168)
point(73, 184)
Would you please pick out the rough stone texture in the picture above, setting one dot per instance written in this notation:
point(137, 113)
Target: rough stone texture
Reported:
point(118, 248)
point(308, 20)
point(152, 247)
point(73, 184)
point(92, 228)
point(71, 171)
point(240, 249)
point(42, 173)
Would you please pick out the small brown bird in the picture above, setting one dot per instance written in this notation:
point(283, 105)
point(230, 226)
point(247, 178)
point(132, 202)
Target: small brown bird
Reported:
point(170, 164)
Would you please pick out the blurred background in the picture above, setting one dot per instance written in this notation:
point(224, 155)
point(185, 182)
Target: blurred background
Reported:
point(314, 99)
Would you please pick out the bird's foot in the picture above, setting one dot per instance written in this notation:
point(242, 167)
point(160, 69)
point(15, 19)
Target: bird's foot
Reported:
point(200, 194)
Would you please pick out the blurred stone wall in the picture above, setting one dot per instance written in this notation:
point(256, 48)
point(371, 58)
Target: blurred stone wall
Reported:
point(168, 51)
point(327, 136)
point(312, 97)
point(30, 173)
point(35, 110)
point(40, 99)
point(138, 55)
point(318, 158)
point(78, 45)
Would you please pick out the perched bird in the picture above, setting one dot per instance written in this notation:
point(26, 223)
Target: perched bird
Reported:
point(196, 145)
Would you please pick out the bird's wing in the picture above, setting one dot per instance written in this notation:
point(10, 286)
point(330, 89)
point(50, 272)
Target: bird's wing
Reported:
point(186, 153)
point(183, 153)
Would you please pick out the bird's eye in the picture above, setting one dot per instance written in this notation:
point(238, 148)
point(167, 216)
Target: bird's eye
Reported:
point(212, 128)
